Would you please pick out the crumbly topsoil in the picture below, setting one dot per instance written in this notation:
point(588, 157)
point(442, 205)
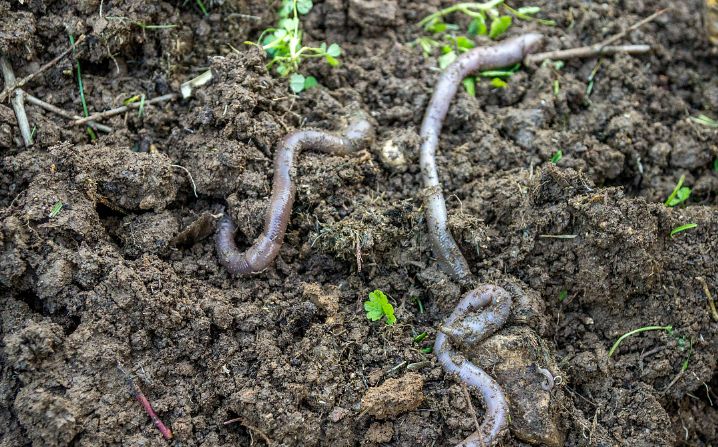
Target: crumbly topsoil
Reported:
point(125, 274)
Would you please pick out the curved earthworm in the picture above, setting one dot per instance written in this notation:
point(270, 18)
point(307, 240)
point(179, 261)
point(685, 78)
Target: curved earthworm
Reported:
point(479, 314)
point(357, 136)
point(508, 52)
point(550, 380)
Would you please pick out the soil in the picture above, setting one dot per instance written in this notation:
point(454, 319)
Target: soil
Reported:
point(126, 273)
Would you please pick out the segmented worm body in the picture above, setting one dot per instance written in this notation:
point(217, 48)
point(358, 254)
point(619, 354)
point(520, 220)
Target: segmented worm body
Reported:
point(503, 54)
point(485, 309)
point(479, 314)
point(358, 135)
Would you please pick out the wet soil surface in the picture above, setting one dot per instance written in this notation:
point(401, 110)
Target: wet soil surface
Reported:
point(125, 274)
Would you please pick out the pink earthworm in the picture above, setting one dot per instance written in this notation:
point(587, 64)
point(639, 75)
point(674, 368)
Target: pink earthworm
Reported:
point(492, 303)
point(478, 315)
point(358, 135)
point(505, 53)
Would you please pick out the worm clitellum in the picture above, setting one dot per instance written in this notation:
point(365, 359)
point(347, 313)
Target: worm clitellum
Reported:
point(479, 314)
point(502, 54)
point(357, 136)
point(492, 304)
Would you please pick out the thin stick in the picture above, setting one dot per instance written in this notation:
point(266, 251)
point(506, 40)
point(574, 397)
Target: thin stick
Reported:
point(58, 111)
point(632, 28)
point(252, 428)
point(586, 52)
point(711, 303)
point(194, 187)
point(17, 102)
point(473, 412)
point(137, 394)
point(112, 112)
point(600, 48)
point(42, 69)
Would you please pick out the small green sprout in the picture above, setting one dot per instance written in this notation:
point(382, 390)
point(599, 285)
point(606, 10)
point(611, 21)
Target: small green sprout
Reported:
point(378, 306)
point(56, 208)
point(133, 99)
point(556, 87)
point(419, 338)
point(668, 329)
point(201, 7)
point(90, 132)
point(680, 193)
point(705, 120)
point(33, 133)
point(682, 228)
point(715, 165)
point(283, 46)
point(562, 295)
point(557, 156)
point(427, 350)
point(418, 302)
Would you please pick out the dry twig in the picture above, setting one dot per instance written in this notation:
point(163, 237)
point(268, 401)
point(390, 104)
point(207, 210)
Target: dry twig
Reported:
point(17, 101)
point(58, 111)
point(252, 428)
point(601, 48)
point(711, 303)
point(116, 111)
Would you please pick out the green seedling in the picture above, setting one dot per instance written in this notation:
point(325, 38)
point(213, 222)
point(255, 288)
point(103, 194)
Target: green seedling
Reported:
point(562, 296)
point(682, 228)
point(668, 329)
point(491, 19)
point(705, 121)
point(427, 350)
point(680, 193)
point(556, 87)
point(418, 302)
point(136, 98)
point(33, 133)
point(90, 132)
point(715, 165)
point(557, 156)
point(283, 46)
point(378, 306)
point(682, 346)
point(55, 210)
point(419, 338)
point(201, 7)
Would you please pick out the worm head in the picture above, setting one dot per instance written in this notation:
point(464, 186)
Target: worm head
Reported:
point(531, 42)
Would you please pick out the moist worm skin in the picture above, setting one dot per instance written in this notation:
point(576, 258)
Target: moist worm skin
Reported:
point(506, 53)
point(466, 327)
point(357, 136)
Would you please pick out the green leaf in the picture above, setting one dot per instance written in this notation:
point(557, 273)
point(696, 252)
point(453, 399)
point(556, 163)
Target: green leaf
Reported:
point(499, 26)
point(56, 208)
point(446, 59)
point(464, 43)
point(282, 69)
point(528, 10)
point(705, 120)
point(715, 165)
point(498, 83)
point(683, 228)
point(562, 295)
point(331, 60)
point(558, 155)
point(296, 82)
point(680, 193)
point(310, 82)
point(470, 85)
point(378, 306)
point(304, 6)
point(288, 24)
point(286, 9)
point(334, 50)
point(477, 27)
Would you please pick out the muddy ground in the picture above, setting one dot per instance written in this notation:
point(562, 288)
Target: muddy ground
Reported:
point(288, 353)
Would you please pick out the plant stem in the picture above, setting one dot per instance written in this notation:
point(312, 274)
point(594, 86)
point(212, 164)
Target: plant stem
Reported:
point(466, 8)
point(637, 331)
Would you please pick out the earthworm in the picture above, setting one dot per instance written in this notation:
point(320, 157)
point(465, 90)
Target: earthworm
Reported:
point(550, 382)
point(508, 52)
point(357, 136)
point(467, 328)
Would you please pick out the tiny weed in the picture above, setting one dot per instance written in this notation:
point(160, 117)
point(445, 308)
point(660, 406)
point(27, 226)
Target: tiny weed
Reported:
point(427, 350)
point(419, 338)
point(33, 133)
point(715, 165)
point(556, 87)
point(682, 345)
point(133, 99)
point(557, 156)
point(491, 19)
point(705, 120)
point(562, 296)
point(668, 329)
point(682, 228)
point(201, 7)
point(418, 302)
point(283, 46)
point(90, 132)
point(378, 306)
point(680, 193)
point(55, 210)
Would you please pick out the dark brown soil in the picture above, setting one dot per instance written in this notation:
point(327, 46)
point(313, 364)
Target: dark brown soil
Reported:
point(116, 277)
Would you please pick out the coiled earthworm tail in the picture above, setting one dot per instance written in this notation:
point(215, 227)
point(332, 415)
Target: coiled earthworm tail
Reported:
point(464, 327)
point(503, 54)
point(357, 136)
